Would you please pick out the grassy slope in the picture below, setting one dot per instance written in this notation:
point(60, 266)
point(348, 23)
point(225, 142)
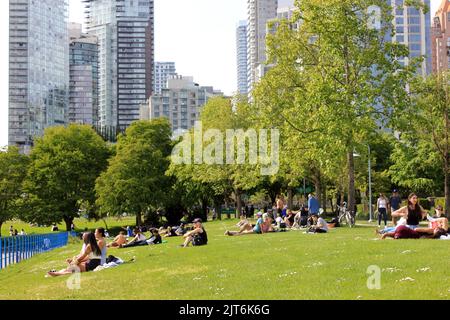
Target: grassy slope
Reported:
point(277, 266)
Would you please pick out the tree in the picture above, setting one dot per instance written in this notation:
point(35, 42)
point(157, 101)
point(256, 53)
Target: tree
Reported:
point(335, 80)
point(135, 182)
point(422, 155)
point(215, 169)
point(65, 163)
point(13, 169)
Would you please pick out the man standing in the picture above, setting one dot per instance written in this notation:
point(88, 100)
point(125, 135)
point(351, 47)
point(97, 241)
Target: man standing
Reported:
point(313, 205)
point(394, 202)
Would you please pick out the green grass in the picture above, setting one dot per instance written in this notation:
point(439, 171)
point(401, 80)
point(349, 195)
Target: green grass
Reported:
point(113, 224)
point(278, 266)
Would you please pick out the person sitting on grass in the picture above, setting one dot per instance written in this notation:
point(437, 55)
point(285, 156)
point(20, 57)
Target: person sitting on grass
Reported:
point(85, 262)
point(242, 222)
point(196, 237)
point(437, 223)
point(176, 231)
point(139, 239)
point(248, 228)
point(290, 219)
point(267, 225)
point(404, 232)
point(319, 225)
point(101, 241)
point(413, 212)
point(155, 237)
point(121, 239)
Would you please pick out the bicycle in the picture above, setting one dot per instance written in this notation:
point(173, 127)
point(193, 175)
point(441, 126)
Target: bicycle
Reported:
point(346, 215)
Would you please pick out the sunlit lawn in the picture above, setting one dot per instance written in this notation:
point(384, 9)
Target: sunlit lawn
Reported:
point(290, 265)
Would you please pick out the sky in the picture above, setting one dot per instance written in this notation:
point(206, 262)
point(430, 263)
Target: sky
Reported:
point(198, 35)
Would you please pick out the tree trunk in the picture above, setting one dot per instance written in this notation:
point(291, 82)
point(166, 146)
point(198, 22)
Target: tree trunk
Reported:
point(204, 209)
point(290, 200)
point(318, 186)
point(237, 194)
point(138, 219)
point(351, 181)
point(447, 155)
point(68, 221)
point(324, 199)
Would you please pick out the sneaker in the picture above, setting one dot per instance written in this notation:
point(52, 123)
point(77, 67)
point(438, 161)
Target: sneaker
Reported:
point(227, 233)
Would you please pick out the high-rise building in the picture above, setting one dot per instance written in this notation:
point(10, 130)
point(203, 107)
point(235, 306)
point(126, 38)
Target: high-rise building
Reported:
point(242, 65)
point(163, 71)
point(83, 90)
point(181, 103)
point(413, 28)
point(38, 68)
point(440, 44)
point(259, 12)
point(125, 32)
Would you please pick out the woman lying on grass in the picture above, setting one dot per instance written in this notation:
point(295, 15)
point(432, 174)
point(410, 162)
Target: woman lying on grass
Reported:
point(88, 260)
point(403, 232)
point(263, 225)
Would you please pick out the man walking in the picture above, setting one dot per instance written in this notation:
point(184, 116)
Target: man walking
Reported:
point(394, 202)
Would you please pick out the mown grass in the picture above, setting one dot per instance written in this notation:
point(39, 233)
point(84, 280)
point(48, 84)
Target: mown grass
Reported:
point(278, 266)
point(112, 224)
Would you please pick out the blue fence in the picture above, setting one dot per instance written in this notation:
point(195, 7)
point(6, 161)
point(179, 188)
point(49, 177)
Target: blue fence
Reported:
point(16, 249)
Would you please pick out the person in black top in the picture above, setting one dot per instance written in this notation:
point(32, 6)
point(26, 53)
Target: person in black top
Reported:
point(198, 236)
point(413, 213)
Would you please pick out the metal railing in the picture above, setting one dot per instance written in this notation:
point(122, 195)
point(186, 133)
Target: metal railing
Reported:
point(15, 249)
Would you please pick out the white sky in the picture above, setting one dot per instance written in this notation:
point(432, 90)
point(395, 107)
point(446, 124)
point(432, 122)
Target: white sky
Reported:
point(198, 35)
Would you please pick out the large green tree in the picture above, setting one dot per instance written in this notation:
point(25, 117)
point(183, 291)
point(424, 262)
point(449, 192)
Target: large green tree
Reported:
point(135, 182)
point(214, 168)
point(13, 169)
point(422, 156)
point(335, 80)
point(65, 163)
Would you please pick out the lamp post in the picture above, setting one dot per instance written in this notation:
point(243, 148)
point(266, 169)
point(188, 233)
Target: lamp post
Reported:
point(370, 183)
point(370, 188)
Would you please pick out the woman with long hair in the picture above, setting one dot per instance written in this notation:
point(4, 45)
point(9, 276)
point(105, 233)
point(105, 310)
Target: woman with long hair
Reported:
point(413, 212)
point(86, 261)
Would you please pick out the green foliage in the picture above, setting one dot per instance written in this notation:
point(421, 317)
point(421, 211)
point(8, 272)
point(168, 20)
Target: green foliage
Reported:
point(334, 80)
point(65, 163)
point(13, 169)
point(421, 157)
point(135, 181)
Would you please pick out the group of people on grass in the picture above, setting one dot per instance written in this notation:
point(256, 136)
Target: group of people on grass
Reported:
point(280, 218)
point(93, 253)
point(94, 250)
point(410, 216)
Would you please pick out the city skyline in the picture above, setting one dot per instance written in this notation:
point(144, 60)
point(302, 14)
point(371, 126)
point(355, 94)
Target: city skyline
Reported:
point(206, 53)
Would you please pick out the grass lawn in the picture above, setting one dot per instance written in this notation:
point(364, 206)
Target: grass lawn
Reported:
point(112, 223)
point(276, 266)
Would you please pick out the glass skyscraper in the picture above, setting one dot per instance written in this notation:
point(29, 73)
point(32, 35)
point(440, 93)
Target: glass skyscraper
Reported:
point(38, 68)
point(242, 65)
point(413, 28)
point(83, 90)
point(125, 32)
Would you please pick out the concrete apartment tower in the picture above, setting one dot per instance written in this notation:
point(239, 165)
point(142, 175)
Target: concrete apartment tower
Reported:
point(83, 89)
point(38, 69)
point(163, 72)
point(259, 13)
point(440, 43)
point(181, 102)
point(125, 32)
point(241, 52)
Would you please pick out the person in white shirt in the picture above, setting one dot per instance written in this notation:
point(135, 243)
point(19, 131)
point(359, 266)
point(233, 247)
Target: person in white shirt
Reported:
point(320, 225)
point(382, 206)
